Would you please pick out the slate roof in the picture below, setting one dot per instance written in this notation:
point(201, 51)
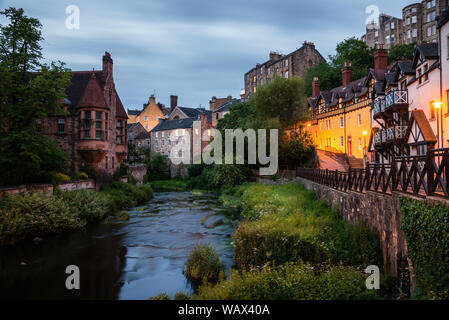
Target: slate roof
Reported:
point(406, 67)
point(134, 112)
point(84, 92)
point(164, 125)
point(226, 107)
point(443, 18)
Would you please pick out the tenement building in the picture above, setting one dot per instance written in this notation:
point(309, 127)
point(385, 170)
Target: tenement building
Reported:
point(149, 116)
point(418, 25)
point(294, 64)
point(410, 111)
point(93, 132)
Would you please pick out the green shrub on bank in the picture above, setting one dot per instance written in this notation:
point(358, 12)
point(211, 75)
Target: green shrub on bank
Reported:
point(286, 223)
point(290, 282)
point(126, 195)
point(427, 232)
point(203, 263)
point(170, 185)
point(35, 214)
point(61, 178)
point(89, 205)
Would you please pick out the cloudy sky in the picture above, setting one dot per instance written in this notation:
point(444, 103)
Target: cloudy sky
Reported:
point(195, 49)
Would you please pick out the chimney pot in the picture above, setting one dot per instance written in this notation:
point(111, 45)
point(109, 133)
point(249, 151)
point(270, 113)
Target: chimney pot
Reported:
point(346, 73)
point(173, 102)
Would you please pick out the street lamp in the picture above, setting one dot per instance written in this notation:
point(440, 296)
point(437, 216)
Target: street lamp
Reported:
point(437, 105)
point(365, 153)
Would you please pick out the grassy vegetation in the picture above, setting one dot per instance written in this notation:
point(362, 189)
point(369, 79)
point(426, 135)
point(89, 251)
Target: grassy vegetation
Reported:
point(170, 185)
point(290, 282)
point(203, 264)
point(286, 223)
point(34, 214)
point(291, 245)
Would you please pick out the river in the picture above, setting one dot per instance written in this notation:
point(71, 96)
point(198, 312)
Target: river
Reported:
point(133, 259)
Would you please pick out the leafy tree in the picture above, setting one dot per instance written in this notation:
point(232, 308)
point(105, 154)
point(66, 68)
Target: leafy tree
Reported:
point(401, 52)
point(352, 50)
point(29, 91)
point(282, 99)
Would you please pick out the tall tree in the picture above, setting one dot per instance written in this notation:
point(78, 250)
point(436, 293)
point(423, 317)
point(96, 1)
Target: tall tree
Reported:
point(29, 90)
point(401, 52)
point(352, 50)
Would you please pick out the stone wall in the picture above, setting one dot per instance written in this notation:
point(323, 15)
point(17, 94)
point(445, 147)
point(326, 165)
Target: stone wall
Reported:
point(78, 185)
point(48, 188)
point(379, 212)
point(138, 172)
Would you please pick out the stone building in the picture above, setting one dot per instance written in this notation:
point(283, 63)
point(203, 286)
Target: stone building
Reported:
point(222, 110)
point(93, 133)
point(150, 115)
point(294, 64)
point(418, 25)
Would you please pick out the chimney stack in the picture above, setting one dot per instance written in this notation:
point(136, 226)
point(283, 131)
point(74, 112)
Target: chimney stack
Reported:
point(152, 99)
point(107, 67)
point(173, 102)
point(315, 87)
point(381, 58)
point(347, 73)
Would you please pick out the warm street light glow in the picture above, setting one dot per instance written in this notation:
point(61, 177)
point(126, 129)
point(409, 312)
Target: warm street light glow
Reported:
point(365, 133)
point(309, 125)
point(437, 105)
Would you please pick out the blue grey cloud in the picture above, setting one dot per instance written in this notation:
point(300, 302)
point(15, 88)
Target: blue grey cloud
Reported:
point(195, 49)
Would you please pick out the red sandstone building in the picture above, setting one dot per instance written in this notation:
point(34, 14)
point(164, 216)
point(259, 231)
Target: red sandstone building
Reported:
point(93, 132)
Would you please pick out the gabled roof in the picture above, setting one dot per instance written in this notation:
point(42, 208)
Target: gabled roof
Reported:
point(443, 18)
point(406, 67)
point(173, 124)
point(425, 51)
point(84, 92)
point(424, 125)
point(190, 112)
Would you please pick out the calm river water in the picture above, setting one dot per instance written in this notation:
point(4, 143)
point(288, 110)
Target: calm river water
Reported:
point(132, 259)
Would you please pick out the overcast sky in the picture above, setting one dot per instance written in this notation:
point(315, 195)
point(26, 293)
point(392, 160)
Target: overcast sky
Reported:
point(195, 49)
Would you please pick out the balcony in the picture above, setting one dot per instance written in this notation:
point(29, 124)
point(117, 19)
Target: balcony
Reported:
point(395, 135)
point(396, 99)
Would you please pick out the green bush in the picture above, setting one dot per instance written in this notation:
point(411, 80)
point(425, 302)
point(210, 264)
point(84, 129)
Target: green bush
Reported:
point(157, 167)
point(427, 232)
point(231, 175)
point(203, 263)
point(290, 282)
point(90, 205)
point(61, 177)
point(205, 181)
point(286, 223)
point(125, 195)
point(35, 214)
point(83, 176)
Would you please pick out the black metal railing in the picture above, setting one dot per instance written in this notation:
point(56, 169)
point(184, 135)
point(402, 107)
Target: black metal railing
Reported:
point(418, 175)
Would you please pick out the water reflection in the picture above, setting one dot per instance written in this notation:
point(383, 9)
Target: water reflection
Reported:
point(135, 259)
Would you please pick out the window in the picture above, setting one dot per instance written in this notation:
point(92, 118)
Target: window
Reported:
point(432, 110)
point(341, 122)
point(146, 118)
point(113, 160)
point(286, 74)
point(98, 133)
point(359, 119)
point(342, 141)
point(146, 127)
point(414, 19)
point(415, 33)
point(408, 20)
point(196, 131)
point(286, 63)
point(387, 39)
point(387, 27)
point(157, 134)
point(98, 115)
point(409, 34)
point(434, 30)
point(106, 162)
point(106, 125)
point(413, 10)
point(360, 143)
point(163, 134)
point(429, 31)
point(392, 25)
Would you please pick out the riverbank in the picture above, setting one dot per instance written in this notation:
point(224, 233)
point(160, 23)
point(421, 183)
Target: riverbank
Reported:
point(292, 246)
point(33, 215)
